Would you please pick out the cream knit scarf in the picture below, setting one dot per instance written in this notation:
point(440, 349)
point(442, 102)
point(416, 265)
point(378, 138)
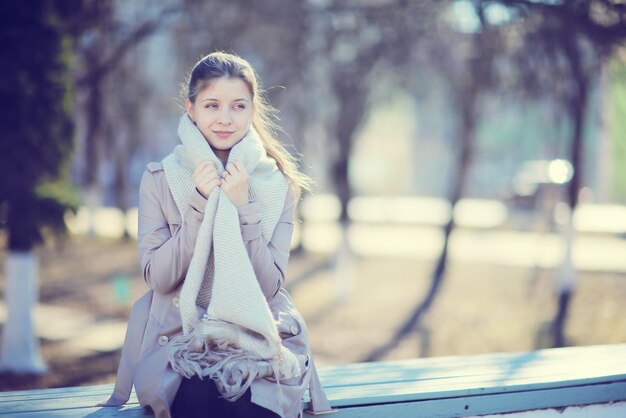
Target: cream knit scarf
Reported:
point(234, 340)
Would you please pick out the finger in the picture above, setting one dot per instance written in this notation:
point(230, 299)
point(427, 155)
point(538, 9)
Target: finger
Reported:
point(212, 184)
point(201, 165)
point(198, 178)
point(209, 175)
point(209, 168)
point(231, 168)
point(204, 179)
point(240, 167)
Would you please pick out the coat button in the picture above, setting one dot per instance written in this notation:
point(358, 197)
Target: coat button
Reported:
point(176, 302)
point(295, 330)
point(163, 340)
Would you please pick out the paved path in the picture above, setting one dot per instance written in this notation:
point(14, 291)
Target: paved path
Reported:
point(592, 252)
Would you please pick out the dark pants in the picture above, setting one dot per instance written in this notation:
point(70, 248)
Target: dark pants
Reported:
point(200, 399)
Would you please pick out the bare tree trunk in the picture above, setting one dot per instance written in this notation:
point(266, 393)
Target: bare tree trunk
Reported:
point(577, 109)
point(92, 137)
point(351, 110)
point(91, 185)
point(126, 137)
point(467, 135)
point(566, 280)
point(128, 143)
point(20, 348)
point(467, 132)
point(604, 162)
point(122, 162)
point(351, 107)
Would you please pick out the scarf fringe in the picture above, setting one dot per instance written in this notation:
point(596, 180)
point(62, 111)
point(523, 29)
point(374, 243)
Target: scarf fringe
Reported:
point(208, 351)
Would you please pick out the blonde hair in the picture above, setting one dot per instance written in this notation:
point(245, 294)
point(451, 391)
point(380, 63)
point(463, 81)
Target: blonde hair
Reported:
point(223, 64)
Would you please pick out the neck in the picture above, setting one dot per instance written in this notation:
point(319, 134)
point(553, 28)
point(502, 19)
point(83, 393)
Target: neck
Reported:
point(222, 155)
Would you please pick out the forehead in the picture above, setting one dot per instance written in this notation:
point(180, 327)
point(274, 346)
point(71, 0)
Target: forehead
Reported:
point(225, 89)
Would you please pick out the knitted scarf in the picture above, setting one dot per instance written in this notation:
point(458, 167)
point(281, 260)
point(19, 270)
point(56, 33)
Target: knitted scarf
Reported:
point(235, 339)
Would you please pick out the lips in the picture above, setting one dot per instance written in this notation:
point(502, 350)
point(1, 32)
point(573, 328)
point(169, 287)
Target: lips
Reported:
point(223, 134)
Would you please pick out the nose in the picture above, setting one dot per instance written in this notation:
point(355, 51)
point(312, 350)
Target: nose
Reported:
point(224, 117)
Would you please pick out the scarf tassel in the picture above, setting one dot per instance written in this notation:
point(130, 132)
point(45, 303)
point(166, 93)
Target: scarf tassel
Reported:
point(207, 354)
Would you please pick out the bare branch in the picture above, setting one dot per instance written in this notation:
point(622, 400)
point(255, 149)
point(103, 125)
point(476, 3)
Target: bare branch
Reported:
point(137, 35)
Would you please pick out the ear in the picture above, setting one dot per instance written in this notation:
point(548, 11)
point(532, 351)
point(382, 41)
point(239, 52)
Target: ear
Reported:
point(189, 108)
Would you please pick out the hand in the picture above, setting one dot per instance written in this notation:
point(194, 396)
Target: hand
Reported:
point(235, 183)
point(206, 178)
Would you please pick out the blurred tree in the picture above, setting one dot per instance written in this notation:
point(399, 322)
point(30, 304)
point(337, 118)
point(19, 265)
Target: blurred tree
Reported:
point(105, 38)
point(466, 59)
point(565, 44)
point(358, 43)
point(123, 129)
point(363, 41)
point(36, 87)
point(617, 108)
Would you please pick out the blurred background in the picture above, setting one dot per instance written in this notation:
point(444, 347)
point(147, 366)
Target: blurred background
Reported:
point(468, 155)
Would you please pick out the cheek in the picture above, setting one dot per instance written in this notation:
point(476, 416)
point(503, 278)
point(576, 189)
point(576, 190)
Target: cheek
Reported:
point(245, 119)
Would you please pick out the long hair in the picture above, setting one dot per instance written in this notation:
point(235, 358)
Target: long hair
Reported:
point(222, 64)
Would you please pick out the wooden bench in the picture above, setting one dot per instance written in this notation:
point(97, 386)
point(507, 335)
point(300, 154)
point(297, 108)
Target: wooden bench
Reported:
point(430, 387)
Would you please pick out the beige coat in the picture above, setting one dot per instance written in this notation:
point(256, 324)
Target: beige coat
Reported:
point(166, 243)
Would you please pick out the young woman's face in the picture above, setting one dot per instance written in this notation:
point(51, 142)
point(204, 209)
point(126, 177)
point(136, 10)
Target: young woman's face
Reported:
point(222, 111)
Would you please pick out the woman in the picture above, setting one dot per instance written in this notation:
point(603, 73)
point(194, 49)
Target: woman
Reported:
point(218, 335)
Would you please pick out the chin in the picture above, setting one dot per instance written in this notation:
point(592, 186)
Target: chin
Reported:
point(221, 148)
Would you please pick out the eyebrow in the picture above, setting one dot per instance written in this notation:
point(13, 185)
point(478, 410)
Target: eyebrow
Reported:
point(216, 100)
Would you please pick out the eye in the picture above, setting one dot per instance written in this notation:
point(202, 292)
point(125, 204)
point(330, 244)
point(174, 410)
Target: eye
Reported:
point(210, 106)
point(239, 106)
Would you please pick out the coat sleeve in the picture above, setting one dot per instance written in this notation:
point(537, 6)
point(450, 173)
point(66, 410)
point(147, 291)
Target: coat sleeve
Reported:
point(165, 255)
point(269, 259)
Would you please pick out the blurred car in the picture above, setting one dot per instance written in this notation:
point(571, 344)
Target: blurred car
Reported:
point(540, 184)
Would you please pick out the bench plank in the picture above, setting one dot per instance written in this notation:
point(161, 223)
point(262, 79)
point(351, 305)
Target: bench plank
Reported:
point(414, 380)
point(431, 387)
point(480, 405)
point(59, 402)
point(562, 358)
point(54, 393)
point(92, 412)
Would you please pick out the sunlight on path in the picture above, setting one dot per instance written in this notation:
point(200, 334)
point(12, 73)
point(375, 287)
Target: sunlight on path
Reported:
point(106, 222)
point(406, 226)
point(75, 328)
point(496, 247)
